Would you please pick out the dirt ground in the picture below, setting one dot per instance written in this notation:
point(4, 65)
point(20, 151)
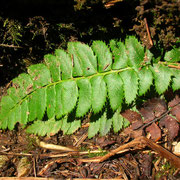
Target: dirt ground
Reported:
point(137, 152)
point(148, 149)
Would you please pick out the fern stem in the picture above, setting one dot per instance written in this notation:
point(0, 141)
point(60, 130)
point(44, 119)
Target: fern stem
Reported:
point(75, 79)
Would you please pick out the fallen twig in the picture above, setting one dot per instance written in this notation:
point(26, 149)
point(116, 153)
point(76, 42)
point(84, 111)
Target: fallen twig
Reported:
point(75, 153)
point(81, 140)
point(173, 66)
point(111, 3)
point(148, 32)
point(142, 142)
point(10, 46)
point(15, 154)
point(137, 143)
point(162, 152)
point(54, 147)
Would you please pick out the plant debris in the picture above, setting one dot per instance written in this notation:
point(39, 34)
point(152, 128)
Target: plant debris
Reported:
point(111, 156)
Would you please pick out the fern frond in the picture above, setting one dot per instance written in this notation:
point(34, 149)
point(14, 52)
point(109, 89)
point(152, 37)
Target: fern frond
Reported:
point(104, 56)
point(85, 97)
point(130, 80)
point(40, 75)
point(105, 124)
point(162, 76)
point(135, 52)
point(42, 128)
point(120, 55)
point(117, 120)
point(176, 80)
point(66, 63)
point(82, 79)
point(51, 101)
point(99, 93)
point(173, 55)
point(115, 90)
point(83, 59)
point(145, 80)
point(94, 126)
point(66, 97)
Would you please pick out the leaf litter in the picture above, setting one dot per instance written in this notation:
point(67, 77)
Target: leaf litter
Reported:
point(112, 156)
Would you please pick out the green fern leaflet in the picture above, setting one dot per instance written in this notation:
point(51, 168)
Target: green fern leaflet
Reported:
point(58, 93)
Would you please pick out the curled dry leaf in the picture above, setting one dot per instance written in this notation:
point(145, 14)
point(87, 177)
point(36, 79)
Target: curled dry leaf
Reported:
point(171, 124)
point(174, 102)
point(133, 134)
point(23, 167)
point(175, 111)
point(103, 141)
point(133, 117)
point(155, 131)
point(153, 108)
point(160, 107)
point(147, 113)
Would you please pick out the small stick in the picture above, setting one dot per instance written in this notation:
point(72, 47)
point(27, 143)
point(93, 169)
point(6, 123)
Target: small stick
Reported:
point(15, 154)
point(172, 66)
point(34, 166)
point(147, 29)
point(142, 142)
point(163, 152)
point(111, 3)
point(75, 153)
point(10, 46)
point(135, 143)
point(47, 166)
point(54, 147)
point(81, 140)
point(175, 65)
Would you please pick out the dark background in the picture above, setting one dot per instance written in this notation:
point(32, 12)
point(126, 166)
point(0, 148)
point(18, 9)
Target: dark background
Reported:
point(31, 29)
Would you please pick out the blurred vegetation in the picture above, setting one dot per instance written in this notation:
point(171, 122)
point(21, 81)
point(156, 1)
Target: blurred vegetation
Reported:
point(31, 29)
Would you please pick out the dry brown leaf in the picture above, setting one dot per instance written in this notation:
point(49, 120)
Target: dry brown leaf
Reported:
point(174, 102)
point(103, 141)
point(171, 124)
point(153, 108)
point(133, 117)
point(175, 111)
point(147, 113)
point(132, 133)
point(155, 131)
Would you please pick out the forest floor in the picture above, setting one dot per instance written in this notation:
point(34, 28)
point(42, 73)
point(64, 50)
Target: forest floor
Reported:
point(148, 149)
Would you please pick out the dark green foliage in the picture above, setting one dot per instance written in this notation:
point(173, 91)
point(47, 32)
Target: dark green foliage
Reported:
point(56, 95)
